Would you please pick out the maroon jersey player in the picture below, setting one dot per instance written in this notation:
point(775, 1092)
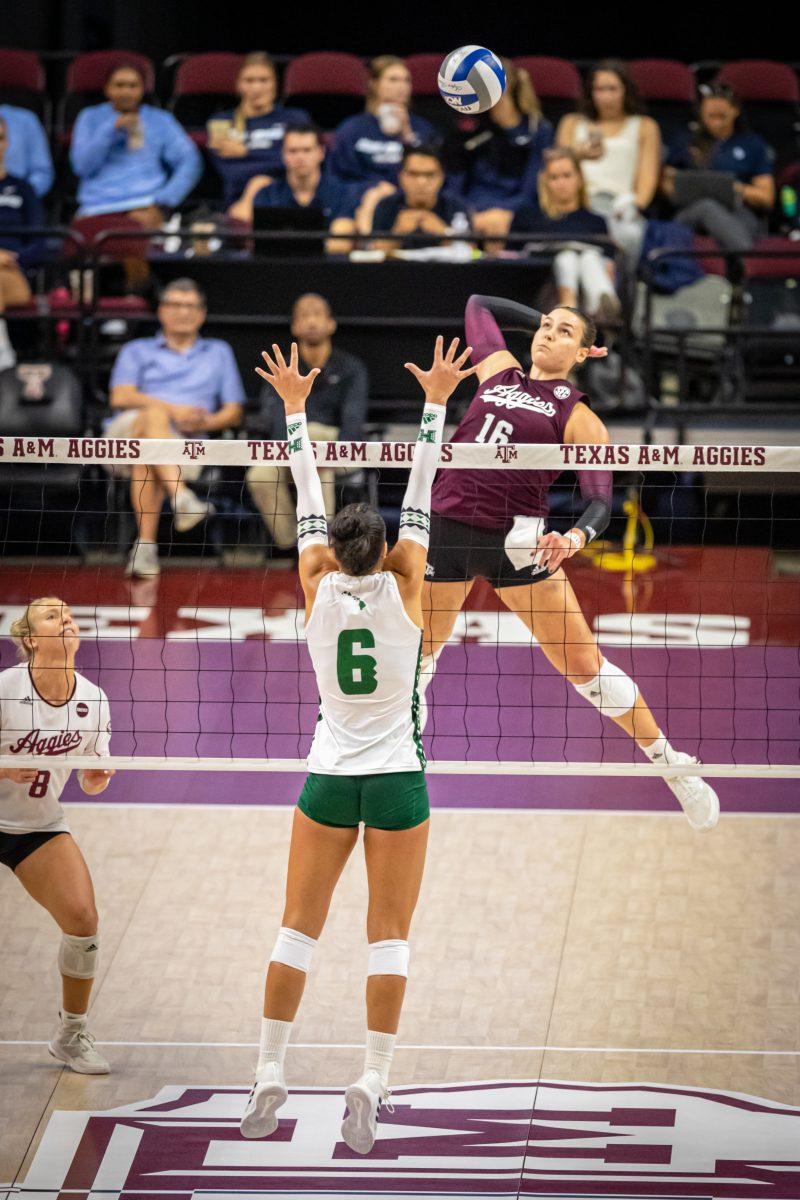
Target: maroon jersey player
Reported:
point(491, 523)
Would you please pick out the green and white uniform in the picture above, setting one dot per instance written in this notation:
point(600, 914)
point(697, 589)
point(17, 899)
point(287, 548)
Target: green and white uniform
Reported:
point(366, 761)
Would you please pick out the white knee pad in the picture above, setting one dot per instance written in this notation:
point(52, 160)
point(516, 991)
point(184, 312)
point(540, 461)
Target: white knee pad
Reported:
point(77, 956)
point(388, 958)
point(293, 949)
point(611, 691)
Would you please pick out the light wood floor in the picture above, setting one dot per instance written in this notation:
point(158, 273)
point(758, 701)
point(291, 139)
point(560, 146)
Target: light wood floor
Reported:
point(554, 945)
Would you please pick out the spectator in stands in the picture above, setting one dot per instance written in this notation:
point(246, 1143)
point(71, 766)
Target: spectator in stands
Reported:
point(19, 207)
point(176, 384)
point(131, 158)
point(246, 141)
point(368, 149)
point(305, 186)
point(419, 205)
point(27, 150)
point(495, 163)
point(619, 150)
point(584, 274)
point(720, 142)
point(336, 409)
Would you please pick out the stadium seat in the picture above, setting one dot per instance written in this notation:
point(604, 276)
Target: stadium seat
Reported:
point(40, 399)
point(557, 83)
point(87, 77)
point(770, 93)
point(783, 261)
point(669, 91)
point(329, 85)
point(204, 84)
point(427, 102)
point(22, 82)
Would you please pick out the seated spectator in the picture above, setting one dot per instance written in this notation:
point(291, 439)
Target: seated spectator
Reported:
point(336, 410)
point(495, 164)
point(306, 185)
point(176, 384)
point(368, 149)
point(619, 150)
point(28, 152)
point(419, 205)
point(246, 141)
point(19, 207)
point(131, 158)
point(720, 142)
point(585, 274)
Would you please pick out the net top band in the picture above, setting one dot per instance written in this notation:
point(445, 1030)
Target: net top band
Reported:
point(387, 455)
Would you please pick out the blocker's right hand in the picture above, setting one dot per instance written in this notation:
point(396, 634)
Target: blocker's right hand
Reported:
point(445, 375)
point(292, 387)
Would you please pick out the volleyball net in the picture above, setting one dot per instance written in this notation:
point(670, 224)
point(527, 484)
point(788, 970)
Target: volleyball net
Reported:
point(694, 591)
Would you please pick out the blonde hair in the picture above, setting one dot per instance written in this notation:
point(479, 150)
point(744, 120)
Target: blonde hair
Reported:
point(256, 58)
point(378, 67)
point(522, 92)
point(556, 154)
point(22, 629)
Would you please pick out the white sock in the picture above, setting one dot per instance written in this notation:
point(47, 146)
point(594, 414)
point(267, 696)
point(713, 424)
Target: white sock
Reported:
point(72, 1020)
point(660, 751)
point(274, 1040)
point(379, 1055)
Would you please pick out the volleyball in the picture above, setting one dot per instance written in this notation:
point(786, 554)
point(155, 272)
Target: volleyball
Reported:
point(471, 79)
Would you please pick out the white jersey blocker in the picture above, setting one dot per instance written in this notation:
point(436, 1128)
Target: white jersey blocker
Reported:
point(44, 736)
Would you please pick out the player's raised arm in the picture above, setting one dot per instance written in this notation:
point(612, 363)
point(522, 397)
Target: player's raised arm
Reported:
point(312, 525)
point(484, 320)
point(438, 384)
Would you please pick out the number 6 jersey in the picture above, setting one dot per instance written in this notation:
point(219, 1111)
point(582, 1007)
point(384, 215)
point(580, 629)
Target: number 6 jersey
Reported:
point(366, 654)
point(41, 737)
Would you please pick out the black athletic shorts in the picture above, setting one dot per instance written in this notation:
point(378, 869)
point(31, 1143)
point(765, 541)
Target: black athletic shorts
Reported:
point(459, 552)
point(15, 847)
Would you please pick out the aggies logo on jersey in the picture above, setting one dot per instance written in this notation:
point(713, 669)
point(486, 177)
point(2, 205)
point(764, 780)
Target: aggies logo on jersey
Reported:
point(505, 395)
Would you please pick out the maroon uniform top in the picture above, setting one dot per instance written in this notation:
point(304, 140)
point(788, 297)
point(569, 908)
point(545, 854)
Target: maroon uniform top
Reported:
point(508, 407)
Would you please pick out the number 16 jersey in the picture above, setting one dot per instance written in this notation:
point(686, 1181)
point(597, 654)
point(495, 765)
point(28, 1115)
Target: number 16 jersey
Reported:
point(366, 655)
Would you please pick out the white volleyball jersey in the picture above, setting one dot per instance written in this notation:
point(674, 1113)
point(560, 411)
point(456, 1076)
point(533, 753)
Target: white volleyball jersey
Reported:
point(43, 736)
point(366, 653)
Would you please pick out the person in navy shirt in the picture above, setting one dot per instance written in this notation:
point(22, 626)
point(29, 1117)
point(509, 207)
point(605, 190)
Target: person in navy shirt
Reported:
point(246, 141)
point(722, 143)
point(306, 186)
point(176, 384)
point(368, 149)
point(419, 206)
point(493, 161)
point(584, 272)
point(28, 152)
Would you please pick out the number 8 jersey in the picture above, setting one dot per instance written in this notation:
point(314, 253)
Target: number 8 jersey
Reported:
point(42, 737)
point(366, 654)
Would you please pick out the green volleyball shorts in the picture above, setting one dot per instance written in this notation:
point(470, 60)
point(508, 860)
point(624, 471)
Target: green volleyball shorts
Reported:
point(396, 800)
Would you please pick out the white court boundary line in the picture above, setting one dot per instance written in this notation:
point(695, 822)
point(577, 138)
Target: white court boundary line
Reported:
point(443, 767)
point(431, 1046)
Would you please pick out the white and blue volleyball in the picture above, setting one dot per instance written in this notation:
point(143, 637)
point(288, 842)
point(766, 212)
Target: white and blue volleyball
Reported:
point(471, 79)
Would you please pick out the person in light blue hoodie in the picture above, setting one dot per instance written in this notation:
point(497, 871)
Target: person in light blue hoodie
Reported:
point(131, 157)
point(28, 154)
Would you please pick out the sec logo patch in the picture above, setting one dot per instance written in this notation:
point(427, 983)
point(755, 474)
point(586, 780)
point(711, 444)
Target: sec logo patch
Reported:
point(561, 393)
point(82, 709)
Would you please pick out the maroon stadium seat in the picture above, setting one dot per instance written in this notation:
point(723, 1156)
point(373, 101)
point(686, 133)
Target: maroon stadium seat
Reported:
point(22, 80)
point(557, 83)
point(204, 84)
point(758, 79)
point(424, 70)
point(330, 85)
point(663, 79)
point(783, 263)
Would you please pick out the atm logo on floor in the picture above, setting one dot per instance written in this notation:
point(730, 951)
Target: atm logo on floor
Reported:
point(459, 1140)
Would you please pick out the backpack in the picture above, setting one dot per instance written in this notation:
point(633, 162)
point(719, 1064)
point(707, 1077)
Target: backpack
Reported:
point(676, 271)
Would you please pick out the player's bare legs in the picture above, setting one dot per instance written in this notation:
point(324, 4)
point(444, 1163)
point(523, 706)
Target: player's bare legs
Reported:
point(441, 604)
point(57, 877)
point(551, 612)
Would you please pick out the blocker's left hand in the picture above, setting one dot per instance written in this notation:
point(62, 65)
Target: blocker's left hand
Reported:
point(552, 550)
point(93, 782)
point(292, 387)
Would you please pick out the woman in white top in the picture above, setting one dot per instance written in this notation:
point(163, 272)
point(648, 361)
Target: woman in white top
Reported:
point(47, 713)
point(619, 150)
point(364, 632)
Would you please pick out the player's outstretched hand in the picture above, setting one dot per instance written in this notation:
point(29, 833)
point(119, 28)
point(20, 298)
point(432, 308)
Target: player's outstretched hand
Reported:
point(445, 375)
point(291, 386)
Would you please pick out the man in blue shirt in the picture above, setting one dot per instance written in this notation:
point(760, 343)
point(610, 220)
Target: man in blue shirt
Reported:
point(131, 157)
point(306, 185)
point(176, 384)
point(28, 153)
